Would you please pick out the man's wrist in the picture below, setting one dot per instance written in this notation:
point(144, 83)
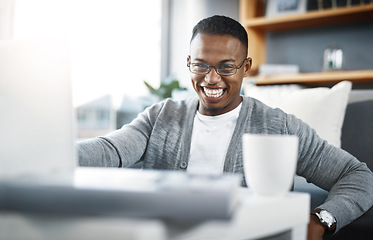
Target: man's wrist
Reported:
point(315, 229)
point(325, 219)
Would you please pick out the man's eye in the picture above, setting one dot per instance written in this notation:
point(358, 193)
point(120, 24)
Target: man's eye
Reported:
point(200, 65)
point(227, 69)
point(226, 66)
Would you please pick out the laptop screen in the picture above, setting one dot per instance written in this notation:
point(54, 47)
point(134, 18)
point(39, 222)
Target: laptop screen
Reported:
point(36, 111)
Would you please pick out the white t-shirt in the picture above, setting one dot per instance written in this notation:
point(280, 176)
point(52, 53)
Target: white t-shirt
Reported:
point(210, 140)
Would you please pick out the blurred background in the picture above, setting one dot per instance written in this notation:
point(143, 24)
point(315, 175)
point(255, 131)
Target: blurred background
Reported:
point(118, 45)
point(115, 45)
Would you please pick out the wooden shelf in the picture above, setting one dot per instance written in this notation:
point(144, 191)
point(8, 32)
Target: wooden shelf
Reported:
point(311, 19)
point(257, 25)
point(357, 76)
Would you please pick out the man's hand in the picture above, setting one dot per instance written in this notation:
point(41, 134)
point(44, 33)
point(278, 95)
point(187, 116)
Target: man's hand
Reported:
point(315, 230)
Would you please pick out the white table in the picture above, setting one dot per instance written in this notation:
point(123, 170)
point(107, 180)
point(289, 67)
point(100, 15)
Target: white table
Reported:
point(254, 218)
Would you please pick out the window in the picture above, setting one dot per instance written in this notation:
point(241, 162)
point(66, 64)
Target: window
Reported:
point(115, 44)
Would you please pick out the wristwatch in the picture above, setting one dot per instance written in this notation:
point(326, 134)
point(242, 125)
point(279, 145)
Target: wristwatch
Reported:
point(327, 219)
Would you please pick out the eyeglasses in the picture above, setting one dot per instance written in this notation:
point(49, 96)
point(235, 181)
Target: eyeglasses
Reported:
point(223, 69)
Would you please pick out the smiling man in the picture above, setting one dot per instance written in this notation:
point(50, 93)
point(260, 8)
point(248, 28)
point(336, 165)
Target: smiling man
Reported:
point(204, 134)
point(218, 85)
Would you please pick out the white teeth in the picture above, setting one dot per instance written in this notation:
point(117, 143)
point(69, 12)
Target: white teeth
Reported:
point(213, 92)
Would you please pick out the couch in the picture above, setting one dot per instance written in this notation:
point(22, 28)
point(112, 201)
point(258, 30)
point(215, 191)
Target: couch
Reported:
point(357, 139)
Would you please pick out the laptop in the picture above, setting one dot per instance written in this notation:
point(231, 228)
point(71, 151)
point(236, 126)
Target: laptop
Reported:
point(36, 111)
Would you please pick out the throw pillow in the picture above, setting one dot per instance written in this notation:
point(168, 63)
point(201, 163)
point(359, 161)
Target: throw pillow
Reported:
point(321, 108)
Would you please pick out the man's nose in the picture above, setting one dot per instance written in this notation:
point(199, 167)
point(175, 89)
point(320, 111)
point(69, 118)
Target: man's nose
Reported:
point(212, 77)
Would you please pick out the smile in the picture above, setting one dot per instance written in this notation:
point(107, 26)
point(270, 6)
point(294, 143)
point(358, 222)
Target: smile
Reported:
point(213, 93)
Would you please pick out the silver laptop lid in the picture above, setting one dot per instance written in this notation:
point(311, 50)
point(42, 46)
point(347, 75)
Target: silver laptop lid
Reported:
point(36, 112)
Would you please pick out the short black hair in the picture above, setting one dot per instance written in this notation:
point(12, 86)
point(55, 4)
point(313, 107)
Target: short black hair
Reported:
point(221, 25)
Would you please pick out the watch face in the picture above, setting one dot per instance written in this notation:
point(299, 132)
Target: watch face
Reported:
point(327, 217)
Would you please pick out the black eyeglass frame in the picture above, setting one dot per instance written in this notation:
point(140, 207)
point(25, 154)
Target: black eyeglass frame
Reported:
point(216, 68)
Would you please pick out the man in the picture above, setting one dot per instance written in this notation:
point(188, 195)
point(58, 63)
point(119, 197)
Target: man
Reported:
point(204, 134)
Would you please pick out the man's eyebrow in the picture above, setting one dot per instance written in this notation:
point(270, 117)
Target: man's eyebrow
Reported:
point(199, 60)
point(221, 62)
point(228, 60)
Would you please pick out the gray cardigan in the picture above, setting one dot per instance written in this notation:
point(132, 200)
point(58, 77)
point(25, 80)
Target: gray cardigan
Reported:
point(160, 137)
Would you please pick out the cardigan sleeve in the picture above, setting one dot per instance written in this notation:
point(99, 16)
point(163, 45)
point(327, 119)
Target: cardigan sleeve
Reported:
point(348, 181)
point(121, 148)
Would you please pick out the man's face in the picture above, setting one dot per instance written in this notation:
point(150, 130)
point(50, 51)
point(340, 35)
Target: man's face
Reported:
point(218, 94)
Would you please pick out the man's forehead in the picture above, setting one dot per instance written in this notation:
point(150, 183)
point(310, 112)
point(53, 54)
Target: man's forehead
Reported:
point(222, 47)
point(209, 42)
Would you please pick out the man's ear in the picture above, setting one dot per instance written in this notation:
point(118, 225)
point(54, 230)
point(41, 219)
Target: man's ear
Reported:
point(188, 60)
point(248, 65)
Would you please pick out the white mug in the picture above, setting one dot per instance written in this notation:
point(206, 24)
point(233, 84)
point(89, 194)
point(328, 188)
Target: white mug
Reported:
point(269, 163)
